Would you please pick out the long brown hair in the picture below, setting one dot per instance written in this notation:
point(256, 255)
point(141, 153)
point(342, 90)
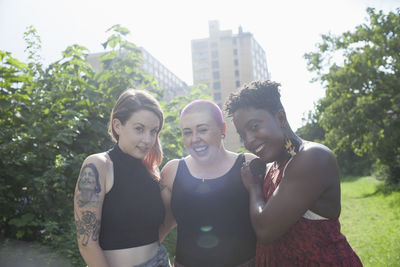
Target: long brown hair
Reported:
point(130, 101)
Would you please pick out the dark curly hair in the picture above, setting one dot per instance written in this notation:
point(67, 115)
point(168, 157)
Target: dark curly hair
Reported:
point(257, 94)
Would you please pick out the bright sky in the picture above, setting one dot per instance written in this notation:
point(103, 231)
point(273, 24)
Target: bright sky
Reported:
point(285, 29)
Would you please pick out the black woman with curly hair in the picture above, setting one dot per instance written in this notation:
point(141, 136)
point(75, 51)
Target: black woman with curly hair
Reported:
point(295, 207)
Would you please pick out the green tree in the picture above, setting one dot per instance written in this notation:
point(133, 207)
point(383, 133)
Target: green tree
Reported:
point(360, 71)
point(51, 118)
point(349, 163)
point(312, 130)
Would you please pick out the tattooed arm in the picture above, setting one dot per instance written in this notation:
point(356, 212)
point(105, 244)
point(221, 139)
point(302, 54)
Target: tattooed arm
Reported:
point(168, 174)
point(89, 194)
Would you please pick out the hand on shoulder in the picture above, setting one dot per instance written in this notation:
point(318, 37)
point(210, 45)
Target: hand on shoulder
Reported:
point(249, 156)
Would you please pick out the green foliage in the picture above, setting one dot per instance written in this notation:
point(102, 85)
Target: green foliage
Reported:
point(312, 131)
point(121, 66)
point(51, 119)
point(349, 163)
point(360, 113)
point(170, 244)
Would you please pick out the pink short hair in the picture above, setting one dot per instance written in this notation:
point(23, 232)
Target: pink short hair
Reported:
point(201, 105)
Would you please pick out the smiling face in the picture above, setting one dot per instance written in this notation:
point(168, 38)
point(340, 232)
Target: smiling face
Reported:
point(261, 132)
point(138, 135)
point(201, 135)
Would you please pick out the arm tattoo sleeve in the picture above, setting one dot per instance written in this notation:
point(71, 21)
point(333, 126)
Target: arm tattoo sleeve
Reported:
point(88, 186)
point(87, 227)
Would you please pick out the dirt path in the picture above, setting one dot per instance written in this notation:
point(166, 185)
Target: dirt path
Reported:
point(15, 253)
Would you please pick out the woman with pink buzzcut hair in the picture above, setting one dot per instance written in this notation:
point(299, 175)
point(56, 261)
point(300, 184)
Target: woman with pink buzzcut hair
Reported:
point(204, 196)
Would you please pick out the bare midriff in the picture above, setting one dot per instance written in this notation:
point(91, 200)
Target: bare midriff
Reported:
point(131, 256)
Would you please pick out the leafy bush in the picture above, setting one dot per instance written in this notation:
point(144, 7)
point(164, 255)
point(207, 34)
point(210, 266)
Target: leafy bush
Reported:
point(51, 119)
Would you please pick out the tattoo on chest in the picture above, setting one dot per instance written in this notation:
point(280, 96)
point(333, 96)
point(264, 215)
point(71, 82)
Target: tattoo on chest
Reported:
point(88, 186)
point(87, 226)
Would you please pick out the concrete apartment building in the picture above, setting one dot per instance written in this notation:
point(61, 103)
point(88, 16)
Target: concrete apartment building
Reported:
point(172, 85)
point(224, 61)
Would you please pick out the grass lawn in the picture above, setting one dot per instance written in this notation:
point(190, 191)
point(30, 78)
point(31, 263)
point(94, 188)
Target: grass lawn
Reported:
point(370, 220)
point(169, 243)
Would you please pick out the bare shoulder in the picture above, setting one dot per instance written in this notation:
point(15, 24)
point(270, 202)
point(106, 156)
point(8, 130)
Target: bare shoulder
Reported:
point(249, 156)
point(316, 153)
point(101, 161)
point(168, 172)
point(314, 162)
point(99, 158)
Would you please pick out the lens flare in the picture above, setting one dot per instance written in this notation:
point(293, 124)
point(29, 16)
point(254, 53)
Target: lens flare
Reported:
point(207, 228)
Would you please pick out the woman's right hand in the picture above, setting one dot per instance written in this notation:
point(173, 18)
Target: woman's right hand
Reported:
point(250, 180)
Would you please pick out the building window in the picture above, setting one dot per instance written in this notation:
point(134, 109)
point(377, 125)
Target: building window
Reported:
point(200, 55)
point(215, 65)
point(200, 45)
point(236, 62)
point(217, 96)
point(202, 76)
point(216, 75)
point(214, 54)
point(217, 85)
point(201, 65)
point(214, 45)
point(235, 52)
point(238, 84)
point(234, 41)
point(236, 73)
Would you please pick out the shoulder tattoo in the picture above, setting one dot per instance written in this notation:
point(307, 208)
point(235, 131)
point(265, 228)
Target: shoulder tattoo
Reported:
point(88, 186)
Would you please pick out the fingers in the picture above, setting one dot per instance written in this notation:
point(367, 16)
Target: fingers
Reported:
point(245, 168)
point(245, 164)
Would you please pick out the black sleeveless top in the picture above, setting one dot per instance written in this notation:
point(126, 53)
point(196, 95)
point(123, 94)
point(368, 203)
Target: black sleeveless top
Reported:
point(214, 227)
point(133, 209)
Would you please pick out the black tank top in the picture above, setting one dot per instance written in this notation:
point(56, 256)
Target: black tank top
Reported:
point(214, 227)
point(133, 209)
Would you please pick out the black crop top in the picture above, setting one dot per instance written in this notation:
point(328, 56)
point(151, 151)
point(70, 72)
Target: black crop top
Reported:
point(213, 220)
point(133, 209)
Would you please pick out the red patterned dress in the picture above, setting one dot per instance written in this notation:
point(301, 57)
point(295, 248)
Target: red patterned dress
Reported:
point(308, 242)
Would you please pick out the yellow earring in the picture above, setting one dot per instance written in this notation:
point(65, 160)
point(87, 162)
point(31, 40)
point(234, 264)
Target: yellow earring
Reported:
point(290, 147)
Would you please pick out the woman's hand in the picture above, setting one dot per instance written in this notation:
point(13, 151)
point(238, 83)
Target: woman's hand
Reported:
point(248, 178)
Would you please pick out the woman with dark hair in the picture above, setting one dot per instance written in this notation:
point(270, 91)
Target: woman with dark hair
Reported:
point(118, 206)
point(205, 197)
point(295, 208)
